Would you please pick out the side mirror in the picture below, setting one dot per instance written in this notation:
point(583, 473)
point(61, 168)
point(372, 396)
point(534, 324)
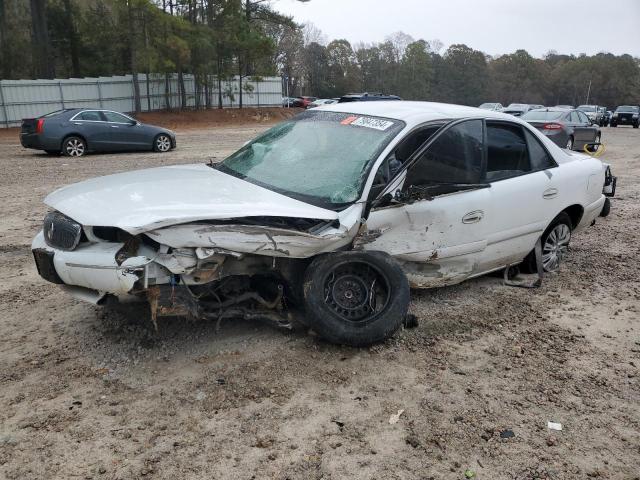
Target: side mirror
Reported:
point(133, 122)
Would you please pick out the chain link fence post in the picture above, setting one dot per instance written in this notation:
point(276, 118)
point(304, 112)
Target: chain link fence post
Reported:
point(4, 107)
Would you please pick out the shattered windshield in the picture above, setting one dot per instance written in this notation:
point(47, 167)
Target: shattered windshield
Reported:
point(318, 157)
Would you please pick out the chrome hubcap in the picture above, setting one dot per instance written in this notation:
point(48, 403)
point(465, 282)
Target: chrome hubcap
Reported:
point(163, 143)
point(75, 148)
point(555, 247)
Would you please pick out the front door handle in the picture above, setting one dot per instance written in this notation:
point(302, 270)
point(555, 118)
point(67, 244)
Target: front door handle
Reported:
point(114, 126)
point(550, 193)
point(473, 217)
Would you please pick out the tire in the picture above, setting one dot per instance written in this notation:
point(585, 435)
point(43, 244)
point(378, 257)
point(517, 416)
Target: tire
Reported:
point(74, 146)
point(614, 125)
point(606, 208)
point(355, 298)
point(636, 125)
point(162, 143)
point(551, 257)
point(569, 145)
point(595, 148)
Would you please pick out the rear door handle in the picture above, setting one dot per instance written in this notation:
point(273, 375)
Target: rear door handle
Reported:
point(114, 126)
point(473, 217)
point(550, 193)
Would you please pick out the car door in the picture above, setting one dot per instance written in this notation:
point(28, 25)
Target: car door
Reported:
point(93, 127)
point(435, 226)
point(524, 193)
point(126, 133)
point(589, 130)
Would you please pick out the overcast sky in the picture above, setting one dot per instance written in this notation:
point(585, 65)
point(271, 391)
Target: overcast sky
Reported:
point(493, 26)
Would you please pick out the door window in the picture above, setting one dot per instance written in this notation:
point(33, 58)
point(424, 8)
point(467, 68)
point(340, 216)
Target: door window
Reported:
point(575, 118)
point(454, 157)
point(540, 159)
point(116, 117)
point(507, 152)
point(90, 116)
point(582, 118)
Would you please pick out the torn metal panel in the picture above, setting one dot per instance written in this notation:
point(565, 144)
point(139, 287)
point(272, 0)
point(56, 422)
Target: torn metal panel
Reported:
point(260, 240)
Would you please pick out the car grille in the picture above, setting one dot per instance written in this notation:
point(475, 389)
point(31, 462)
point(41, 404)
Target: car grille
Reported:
point(61, 232)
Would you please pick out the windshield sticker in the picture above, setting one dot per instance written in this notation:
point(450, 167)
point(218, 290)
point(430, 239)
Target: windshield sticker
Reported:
point(348, 120)
point(370, 122)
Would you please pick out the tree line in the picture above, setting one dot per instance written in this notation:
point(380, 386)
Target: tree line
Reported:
point(219, 39)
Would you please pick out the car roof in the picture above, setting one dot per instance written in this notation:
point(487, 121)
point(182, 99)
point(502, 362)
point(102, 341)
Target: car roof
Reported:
point(412, 113)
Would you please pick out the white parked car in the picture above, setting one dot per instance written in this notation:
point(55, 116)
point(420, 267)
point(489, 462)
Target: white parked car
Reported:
point(328, 217)
point(494, 107)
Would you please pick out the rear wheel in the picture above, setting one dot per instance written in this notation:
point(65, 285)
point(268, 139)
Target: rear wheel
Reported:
point(74, 147)
point(569, 143)
point(555, 245)
point(355, 298)
point(162, 143)
point(636, 125)
point(606, 208)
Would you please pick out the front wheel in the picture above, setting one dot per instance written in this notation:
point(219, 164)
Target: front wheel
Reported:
point(162, 143)
point(355, 298)
point(74, 147)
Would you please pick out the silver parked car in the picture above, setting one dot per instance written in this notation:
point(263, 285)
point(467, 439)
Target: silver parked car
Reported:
point(517, 109)
point(494, 107)
point(569, 129)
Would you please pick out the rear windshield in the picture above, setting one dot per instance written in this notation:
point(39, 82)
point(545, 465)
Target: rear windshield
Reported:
point(627, 109)
point(542, 115)
point(586, 108)
point(322, 158)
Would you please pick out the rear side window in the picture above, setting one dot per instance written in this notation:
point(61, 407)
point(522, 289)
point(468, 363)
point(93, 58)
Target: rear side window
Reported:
point(507, 152)
point(454, 157)
point(90, 116)
point(540, 159)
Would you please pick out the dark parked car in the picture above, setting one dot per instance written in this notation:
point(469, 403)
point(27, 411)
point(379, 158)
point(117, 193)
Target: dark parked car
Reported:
point(569, 129)
point(607, 118)
point(626, 115)
point(76, 131)
point(366, 97)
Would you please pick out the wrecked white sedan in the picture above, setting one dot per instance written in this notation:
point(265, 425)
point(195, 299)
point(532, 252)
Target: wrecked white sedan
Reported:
point(328, 218)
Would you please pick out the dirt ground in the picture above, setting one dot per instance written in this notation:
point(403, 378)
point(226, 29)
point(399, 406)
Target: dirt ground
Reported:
point(89, 393)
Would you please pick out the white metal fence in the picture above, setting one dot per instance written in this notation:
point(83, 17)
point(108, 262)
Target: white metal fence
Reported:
point(31, 98)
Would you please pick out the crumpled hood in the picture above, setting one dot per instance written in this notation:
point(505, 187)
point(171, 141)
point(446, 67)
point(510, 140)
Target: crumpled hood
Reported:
point(148, 199)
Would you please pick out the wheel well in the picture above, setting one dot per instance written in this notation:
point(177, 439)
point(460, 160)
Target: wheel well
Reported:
point(575, 214)
point(74, 135)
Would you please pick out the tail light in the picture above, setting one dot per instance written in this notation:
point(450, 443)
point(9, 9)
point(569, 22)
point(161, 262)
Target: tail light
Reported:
point(40, 125)
point(552, 126)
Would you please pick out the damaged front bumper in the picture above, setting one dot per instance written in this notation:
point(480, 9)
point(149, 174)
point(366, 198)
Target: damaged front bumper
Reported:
point(90, 271)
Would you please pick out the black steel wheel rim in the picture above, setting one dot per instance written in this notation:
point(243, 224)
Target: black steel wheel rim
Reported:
point(356, 291)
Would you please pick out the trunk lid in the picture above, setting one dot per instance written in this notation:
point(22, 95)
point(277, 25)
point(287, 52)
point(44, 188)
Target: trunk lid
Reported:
point(29, 125)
